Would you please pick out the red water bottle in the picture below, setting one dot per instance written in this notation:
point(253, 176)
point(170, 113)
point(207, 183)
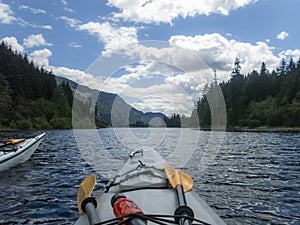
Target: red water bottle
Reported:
point(123, 207)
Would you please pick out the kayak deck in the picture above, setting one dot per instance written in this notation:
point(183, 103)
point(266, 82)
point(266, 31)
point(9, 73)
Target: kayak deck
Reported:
point(143, 180)
point(151, 201)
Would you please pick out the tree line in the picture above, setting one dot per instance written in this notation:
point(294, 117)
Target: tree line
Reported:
point(31, 99)
point(260, 98)
point(29, 95)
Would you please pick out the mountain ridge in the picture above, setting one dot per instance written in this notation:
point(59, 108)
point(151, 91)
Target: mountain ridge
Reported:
point(112, 109)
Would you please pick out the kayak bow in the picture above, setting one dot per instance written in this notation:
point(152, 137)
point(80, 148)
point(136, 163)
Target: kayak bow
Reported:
point(17, 151)
point(158, 193)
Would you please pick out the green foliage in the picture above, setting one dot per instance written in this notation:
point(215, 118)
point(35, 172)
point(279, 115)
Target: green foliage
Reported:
point(5, 100)
point(41, 123)
point(204, 112)
point(29, 96)
point(23, 124)
point(61, 123)
point(259, 99)
point(173, 121)
point(62, 107)
point(67, 93)
point(266, 112)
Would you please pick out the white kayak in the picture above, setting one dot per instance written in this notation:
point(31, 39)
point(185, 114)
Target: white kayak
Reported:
point(18, 151)
point(145, 180)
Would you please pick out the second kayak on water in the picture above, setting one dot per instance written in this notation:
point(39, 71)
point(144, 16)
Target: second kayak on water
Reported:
point(17, 151)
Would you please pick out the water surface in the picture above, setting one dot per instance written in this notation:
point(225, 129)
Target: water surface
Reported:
point(253, 179)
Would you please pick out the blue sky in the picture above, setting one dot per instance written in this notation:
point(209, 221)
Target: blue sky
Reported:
point(149, 51)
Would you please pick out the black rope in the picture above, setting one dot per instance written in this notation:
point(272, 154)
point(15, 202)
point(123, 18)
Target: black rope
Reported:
point(155, 218)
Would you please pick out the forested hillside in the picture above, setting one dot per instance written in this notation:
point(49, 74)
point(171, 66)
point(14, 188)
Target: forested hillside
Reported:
point(261, 98)
point(29, 96)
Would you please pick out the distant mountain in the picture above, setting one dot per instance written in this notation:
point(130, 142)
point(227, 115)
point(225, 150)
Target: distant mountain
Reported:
point(112, 109)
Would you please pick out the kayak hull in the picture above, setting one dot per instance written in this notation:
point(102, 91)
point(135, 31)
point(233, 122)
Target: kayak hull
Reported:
point(143, 180)
point(22, 153)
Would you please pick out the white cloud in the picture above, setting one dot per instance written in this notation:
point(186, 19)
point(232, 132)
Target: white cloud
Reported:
point(158, 82)
point(113, 37)
point(74, 45)
point(26, 24)
point(219, 52)
point(78, 76)
point(40, 57)
point(157, 11)
point(228, 34)
point(46, 27)
point(69, 10)
point(70, 21)
point(295, 54)
point(282, 35)
point(13, 43)
point(32, 10)
point(167, 96)
point(64, 2)
point(35, 41)
point(6, 14)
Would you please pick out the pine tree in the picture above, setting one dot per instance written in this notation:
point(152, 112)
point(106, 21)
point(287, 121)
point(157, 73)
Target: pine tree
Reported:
point(281, 69)
point(235, 74)
point(263, 69)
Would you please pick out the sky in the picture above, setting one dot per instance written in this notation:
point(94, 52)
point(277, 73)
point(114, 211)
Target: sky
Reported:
point(156, 54)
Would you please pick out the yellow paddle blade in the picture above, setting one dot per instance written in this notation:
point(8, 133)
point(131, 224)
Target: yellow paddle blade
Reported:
point(85, 190)
point(15, 141)
point(178, 177)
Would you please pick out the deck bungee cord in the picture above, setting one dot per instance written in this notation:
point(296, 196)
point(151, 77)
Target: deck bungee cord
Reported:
point(155, 218)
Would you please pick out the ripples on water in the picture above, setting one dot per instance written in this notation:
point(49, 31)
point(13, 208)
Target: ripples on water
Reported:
point(254, 179)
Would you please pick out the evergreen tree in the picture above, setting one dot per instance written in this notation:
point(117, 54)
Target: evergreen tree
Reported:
point(68, 92)
point(281, 69)
point(263, 69)
point(291, 67)
point(236, 75)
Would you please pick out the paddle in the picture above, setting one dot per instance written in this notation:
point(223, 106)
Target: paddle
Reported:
point(15, 141)
point(85, 202)
point(181, 182)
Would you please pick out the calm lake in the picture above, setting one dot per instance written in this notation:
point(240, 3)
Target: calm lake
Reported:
point(247, 178)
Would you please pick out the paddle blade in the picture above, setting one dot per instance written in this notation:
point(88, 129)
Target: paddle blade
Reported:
point(85, 190)
point(15, 141)
point(178, 177)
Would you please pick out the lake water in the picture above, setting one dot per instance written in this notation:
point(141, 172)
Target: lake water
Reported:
point(247, 178)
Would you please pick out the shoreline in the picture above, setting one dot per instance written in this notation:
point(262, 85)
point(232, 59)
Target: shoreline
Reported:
point(259, 129)
point(229, 129)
